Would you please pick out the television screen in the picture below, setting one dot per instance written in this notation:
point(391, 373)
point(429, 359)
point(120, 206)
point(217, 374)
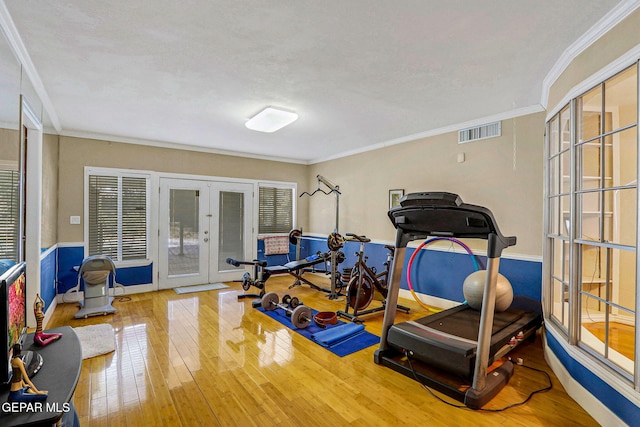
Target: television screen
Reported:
point(13, 314)
point(17, 318)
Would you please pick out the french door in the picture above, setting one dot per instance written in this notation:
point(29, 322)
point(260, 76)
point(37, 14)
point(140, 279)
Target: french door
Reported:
point(202, 223)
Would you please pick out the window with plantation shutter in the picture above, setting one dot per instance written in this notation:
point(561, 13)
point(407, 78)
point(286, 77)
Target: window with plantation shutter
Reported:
point(118, 216)
point(275, 210)
point(9, 214)
point(134, 218)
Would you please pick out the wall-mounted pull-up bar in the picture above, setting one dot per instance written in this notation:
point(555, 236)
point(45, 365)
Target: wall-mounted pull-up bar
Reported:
point(335, 189)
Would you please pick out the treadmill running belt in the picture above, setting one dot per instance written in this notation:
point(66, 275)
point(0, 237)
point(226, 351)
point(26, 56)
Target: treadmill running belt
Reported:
point(448, 339)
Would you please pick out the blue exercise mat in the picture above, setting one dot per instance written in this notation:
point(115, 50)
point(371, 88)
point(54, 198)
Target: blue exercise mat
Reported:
point(341, 339)
point(338, 334)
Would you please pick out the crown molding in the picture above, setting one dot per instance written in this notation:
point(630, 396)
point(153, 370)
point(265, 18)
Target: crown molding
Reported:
point(532, 109)
point(175, 145)
point(600, 28)
point(20, 51)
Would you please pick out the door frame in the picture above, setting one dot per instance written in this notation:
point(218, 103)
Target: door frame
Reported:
point(202, 275)
point(217, 187)
point(214, 186)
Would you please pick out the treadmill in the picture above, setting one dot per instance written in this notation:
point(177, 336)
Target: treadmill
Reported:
point(457, 351)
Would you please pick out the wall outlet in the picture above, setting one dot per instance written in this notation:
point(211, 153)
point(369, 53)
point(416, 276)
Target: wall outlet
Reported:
point(74, 219)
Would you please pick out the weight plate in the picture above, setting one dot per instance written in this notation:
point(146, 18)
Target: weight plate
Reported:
point(294, 235)
point(269, 301)
point(286, 299)
point(294, 302)
point(301, 317)
point(246, 281)
point(335, 241)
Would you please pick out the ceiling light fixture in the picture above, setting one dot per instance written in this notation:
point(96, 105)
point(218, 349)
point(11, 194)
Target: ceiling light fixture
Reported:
point(271, 119)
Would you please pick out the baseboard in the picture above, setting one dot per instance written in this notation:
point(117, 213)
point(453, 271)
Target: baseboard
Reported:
point(581, 395)
point(133, 289)
point(115, 292)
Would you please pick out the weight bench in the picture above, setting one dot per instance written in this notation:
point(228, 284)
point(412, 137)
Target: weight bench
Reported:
point(258, 280)
point(298, 268)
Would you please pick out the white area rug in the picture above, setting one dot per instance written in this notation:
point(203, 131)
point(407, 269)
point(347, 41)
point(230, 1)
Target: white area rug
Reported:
point(96, 340)
point(200, 288)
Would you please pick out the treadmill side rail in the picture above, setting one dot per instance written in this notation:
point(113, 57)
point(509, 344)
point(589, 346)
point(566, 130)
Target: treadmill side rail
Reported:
point(393, 288)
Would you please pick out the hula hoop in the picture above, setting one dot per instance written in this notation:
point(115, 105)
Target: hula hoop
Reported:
point(417, 251)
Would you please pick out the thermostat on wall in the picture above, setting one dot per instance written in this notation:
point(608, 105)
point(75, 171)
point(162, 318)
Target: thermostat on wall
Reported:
point(74, 219)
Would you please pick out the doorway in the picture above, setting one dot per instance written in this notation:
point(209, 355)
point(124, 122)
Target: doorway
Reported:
point(202, 223)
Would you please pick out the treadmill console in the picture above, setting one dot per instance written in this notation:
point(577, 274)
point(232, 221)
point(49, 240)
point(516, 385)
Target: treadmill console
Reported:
point(443, 214)
point(431, 198)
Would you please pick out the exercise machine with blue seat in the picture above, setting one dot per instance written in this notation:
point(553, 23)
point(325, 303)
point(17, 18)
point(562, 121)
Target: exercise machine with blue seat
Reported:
point(459, 351)
point(258, 279)
point(96, 275)
point(295, 268)
point(299, 267)
point(262, 272)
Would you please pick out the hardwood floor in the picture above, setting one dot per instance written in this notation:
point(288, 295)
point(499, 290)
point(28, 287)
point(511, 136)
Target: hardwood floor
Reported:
point(621, 337)
point(207, 359)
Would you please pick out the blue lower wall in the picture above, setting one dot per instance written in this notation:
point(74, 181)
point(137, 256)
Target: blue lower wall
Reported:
point(618, 404)
point(283, 258)
point(441, 274)
point(435, 272)
point(70, 258)
point(48, 268)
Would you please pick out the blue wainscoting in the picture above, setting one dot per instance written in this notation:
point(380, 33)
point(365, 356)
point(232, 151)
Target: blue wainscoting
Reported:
point(70, 258)
point(612, 399)
point(48, 279)
point(439, 273)
point(140, 275)
point(283, 258)
point(435, 272)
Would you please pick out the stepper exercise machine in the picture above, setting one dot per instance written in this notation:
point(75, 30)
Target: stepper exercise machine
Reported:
point(457, 351)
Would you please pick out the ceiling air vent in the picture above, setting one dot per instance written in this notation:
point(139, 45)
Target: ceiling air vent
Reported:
point(480, 132)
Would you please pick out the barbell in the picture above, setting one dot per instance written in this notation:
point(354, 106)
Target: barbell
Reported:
point(301, 315)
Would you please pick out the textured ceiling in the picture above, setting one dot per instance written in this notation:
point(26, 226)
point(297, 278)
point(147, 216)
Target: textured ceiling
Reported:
point(359, 73)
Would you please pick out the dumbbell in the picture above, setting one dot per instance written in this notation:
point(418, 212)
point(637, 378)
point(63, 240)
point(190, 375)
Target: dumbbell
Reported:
point(301, 315)
point(291, 302)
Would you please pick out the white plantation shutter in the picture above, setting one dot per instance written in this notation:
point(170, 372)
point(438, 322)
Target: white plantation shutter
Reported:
point(118, 220)
point(275, 210)
point(9, 214)
point(103, 216)
point(134, 218)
